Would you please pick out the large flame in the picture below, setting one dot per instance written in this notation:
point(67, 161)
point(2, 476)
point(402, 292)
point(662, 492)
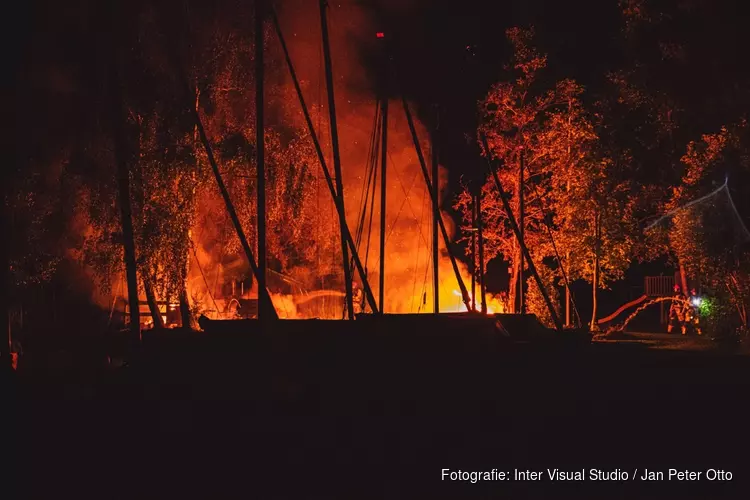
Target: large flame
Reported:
point(213, 285)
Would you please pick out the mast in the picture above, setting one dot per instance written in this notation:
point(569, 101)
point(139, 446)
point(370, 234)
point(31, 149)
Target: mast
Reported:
point(514, 226)
point(336, 156)
point(426, 175)
point(326, 173)
point(264, 299)
point(474, 254)
point(260, 150)
point(481, 251)
point(383, 186)
point(435, 217)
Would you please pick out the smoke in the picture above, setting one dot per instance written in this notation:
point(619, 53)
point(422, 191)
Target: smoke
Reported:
point(408, 260)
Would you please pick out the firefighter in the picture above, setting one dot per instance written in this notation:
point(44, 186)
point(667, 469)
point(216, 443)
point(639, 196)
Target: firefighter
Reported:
point(692, 314)
point(676, 311)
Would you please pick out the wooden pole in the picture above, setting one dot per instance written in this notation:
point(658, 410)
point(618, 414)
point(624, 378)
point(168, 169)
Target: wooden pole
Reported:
point(481, 251)
point(326, 173)
point(260, 150)
point(514, 226)
point(435, 219)
point(474, 253)
point(383, 189)
point(336, 155)
point(426, 175)
point(264, 299)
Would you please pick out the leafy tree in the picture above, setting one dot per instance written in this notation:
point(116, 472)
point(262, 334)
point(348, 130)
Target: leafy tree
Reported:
point(710, 237)
point(516, 122)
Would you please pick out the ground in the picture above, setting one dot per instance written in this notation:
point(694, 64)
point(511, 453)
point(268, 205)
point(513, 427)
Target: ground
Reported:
point(357, 419)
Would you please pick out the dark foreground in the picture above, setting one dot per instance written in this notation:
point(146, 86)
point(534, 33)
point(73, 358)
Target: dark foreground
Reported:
point(346, 418)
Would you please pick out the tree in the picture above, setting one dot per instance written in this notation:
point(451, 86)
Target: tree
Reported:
point(710, 237)
point(515, 118)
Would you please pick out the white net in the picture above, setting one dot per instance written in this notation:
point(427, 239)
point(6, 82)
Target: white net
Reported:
point(711, 221)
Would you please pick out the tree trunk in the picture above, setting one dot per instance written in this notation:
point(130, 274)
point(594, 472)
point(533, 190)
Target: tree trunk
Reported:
point(567, 291)
point(480, 237)
point(521, 227)
point(148, 284)
point(153, 306)
point(185, 314)
point(683, 279)
point(513, 285)
point(595, 279)
point(117, 124)
point(474, 255)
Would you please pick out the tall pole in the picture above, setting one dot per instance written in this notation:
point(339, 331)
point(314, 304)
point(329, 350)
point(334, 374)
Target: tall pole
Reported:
point(474, 254)
point(516, 230)
point(426, 176)
point(326, 173)
point(117, 120)
point(336, 156)
point(435, 218)
point(260, 149)
point(383, 185)
point(481, 251)
point(264, 299)
point(521, 241)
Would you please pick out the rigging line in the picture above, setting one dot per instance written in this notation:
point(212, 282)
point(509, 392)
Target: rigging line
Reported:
point(423, 292)
point(557, 255)
point(702, 198)
point(368, 182)
point(419, 247)
point(370, 177)
point(406, 194)
point(365, 192)
point(393, 227)
point(372, 211)
point(221, 257)
point(736, 212)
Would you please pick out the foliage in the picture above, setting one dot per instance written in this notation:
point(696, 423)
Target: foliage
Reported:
point(571, 186)
point(34, 208)
point(535, 303)
point(707, 238)
point(520, 121)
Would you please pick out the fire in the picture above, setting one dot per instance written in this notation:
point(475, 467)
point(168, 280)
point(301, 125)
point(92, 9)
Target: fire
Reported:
point(308, 282)
point(494, 303)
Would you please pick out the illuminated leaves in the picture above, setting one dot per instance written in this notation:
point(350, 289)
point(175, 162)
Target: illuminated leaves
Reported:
point(706, 237)
point(571, 185)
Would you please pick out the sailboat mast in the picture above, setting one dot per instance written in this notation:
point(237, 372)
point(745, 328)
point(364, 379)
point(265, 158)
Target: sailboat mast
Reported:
point(383, 186)
point(435, 219)
point(336, 156)
point(481, 251)
point(369, 297)
point(474, 254)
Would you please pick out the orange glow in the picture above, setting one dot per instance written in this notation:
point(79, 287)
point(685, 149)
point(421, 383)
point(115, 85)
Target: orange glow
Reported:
point(313, 286)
